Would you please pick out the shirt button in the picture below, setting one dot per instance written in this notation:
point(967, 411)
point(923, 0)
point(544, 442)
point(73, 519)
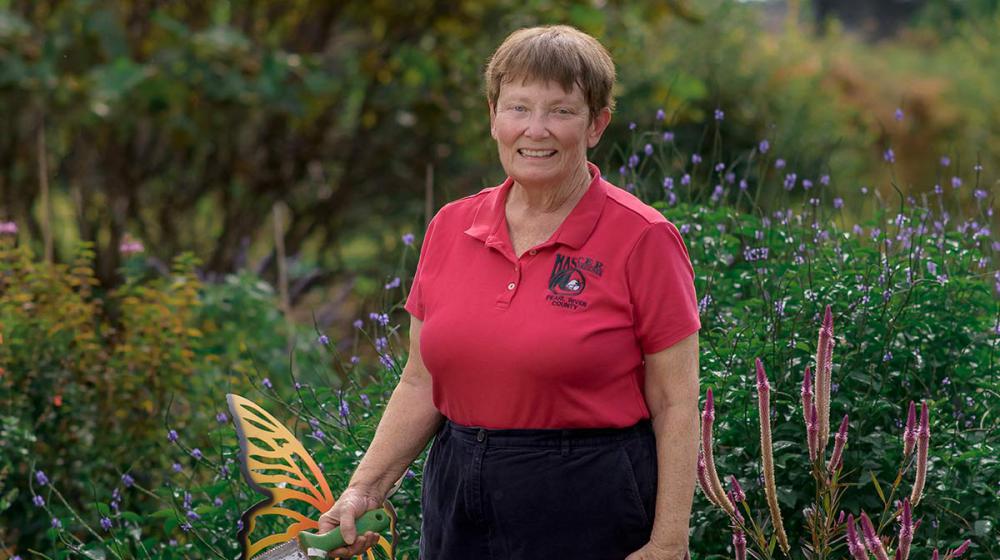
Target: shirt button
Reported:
point(510, 286)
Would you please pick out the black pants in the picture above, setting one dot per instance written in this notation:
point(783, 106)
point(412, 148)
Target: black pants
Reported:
point(580, 494)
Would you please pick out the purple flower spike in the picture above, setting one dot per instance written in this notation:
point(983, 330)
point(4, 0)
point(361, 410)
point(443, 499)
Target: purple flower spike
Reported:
point(923, 439)
point(838, 446)
point(872, 541)
point(807, 395)
point(706, 487)
point(961, 549)
point(934, 556)
point(812, 433)
point(854, 542)
point(910, 433)
point(715, 485)
point(40, 478)
point(905, 531)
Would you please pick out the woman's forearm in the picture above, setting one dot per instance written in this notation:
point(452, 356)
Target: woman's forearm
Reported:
point(676, 429)
point(408, 422)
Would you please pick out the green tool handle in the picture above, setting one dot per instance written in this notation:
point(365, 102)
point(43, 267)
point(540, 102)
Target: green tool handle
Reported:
point(375, 520)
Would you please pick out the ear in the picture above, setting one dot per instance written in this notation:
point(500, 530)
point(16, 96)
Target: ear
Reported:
point(597, 127)
point(493, 116)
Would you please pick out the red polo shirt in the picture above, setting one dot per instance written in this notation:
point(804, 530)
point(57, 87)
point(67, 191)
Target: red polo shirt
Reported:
point(556, 338)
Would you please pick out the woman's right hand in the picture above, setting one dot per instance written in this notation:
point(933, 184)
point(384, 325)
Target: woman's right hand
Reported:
point(352, 504)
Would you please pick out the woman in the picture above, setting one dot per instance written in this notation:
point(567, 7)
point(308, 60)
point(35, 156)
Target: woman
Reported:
point(554, 345)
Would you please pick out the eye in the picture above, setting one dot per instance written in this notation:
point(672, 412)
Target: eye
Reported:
point(518, 108)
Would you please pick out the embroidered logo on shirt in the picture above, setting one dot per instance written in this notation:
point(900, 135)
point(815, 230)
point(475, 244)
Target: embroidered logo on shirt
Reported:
point(568, 280)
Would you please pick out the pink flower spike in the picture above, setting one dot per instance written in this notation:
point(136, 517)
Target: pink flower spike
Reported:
point(923, 440)
point(961, 549)
point(807, 395)
point(910, 432)
point(872, 541)
point(822, 384)
point(934, 556)
point(740, 545)
point(706, 487)
point(838, 446)
point(762, 385)
point(767, 456)
point(853, 542)
point(905, 531)
point(812, 433)
point(737, 490)
point(718, 493)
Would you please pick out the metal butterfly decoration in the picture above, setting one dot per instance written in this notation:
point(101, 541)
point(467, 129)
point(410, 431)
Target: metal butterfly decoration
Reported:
point(272, 461)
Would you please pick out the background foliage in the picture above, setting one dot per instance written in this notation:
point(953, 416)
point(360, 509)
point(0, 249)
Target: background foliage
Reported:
point(189, 126)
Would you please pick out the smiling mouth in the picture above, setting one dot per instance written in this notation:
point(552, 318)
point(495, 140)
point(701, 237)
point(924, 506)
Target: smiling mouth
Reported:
point(536, 154)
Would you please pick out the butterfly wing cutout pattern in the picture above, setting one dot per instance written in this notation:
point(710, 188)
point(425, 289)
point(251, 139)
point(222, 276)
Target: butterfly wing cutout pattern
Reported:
point(271, 460)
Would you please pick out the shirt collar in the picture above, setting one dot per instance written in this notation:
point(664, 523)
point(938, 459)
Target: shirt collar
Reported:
point(490, 222)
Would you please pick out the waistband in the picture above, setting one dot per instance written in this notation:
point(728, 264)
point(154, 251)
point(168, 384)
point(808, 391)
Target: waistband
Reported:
point(555, 438)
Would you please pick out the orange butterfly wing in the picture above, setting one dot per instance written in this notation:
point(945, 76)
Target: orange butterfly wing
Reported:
point(270, 459)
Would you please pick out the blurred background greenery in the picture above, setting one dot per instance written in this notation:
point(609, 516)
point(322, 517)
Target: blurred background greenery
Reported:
point(270, 157)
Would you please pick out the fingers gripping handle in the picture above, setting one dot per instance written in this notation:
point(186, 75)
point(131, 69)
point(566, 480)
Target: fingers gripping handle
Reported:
point(375, 521)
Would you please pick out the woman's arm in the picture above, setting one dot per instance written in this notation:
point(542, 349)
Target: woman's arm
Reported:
point(671, 391)
point(409, 421)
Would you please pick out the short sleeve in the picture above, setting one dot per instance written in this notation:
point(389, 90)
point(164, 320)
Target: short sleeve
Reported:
point(661, 288)
point(415, 300)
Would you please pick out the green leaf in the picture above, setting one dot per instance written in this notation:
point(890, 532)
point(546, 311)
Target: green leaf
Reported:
point(878, 488)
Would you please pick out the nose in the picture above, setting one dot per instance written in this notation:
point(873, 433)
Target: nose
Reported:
point(537, 126)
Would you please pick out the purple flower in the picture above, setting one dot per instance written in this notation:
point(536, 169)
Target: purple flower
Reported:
point(380, 343)
point(221, 418)
point(764, 146)
point(838, 203)
point(633, 160)
point(961, 549)
point(127, 480)
point(945, 161)
point(130, 246)
point(686, 179)
point(719, 114)
point(344, 409)
point(408, 239)
point(956, 182)
point(630, 187)
point(668, 136)
point(318, 434)
point(980, 194)
point(660, 115)
point(887, 357)
point(176, 467)
point(8, 228)
point(668, 183)
point(40, 478)
point(38, 500)
point(779, 163)
point(387, 361)
point(938, 189)
point(648, 149)
point(931, 268)
point(889, 156)
point(825, 180)
point(686, 228)
point(622, 171)
point(704, 303)
point(186, 527)
point(899, 114)
point(730, 177)
point(364, 399)
point(106, 523)
point(355, 360)
point(719, 167)
point(743, 184)
point(631, 126)
point(196, 453)
point(790, 180)
point(56, 524)
point(358, 324)
point(695, 159)
point(946, 381)
point(394, 283)
point(193, 515)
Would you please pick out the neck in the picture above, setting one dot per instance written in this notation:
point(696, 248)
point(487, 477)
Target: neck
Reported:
point(546, 199)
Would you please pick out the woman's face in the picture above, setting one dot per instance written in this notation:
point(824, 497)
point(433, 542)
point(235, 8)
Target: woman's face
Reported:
point(543, 132)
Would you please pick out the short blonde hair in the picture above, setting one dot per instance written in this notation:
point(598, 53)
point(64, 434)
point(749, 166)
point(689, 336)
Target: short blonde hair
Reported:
point(558, 53)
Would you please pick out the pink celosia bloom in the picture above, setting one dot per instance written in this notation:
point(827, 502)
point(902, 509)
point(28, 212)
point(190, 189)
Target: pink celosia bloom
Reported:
point(767, 454)
point(812, 433)
point(809, 414)
point(736, 510)
point(737, 490)
point(961, 549)
point(838, 446)
point(707, 419)
point(854, 542)
point(739, 544)
point(910, 433)
point(923, 440)
point(824, 363)
point(807, 395)
point(706, 486)
point(905, 531)
point(872, 541)
point(934, 556)
point(8, 228)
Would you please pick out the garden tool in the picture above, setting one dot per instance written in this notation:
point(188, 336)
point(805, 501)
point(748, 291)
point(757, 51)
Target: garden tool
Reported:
point(308, 544)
